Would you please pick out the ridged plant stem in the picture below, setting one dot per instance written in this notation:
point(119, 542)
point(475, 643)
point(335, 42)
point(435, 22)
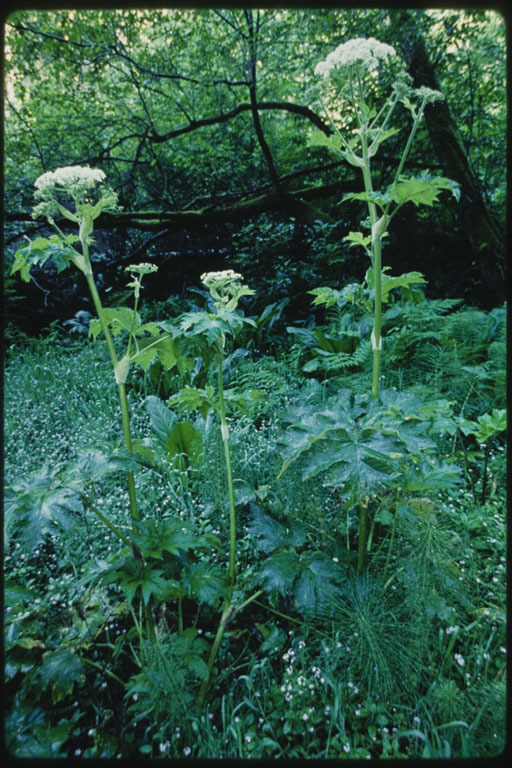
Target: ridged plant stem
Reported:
point(121, 386)
point(363, 537)
point(376, 265)
point(229, 477)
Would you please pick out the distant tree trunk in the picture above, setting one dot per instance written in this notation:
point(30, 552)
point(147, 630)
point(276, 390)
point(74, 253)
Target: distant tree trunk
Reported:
point(483, 233)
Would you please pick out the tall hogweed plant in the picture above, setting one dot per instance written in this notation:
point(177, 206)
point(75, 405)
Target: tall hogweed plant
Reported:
point(360, 117)
point(366, 445)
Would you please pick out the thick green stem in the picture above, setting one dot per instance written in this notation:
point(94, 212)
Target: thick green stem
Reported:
point(104, 670)
point(377, 268)
point(227, 614)
point(231, 494)
point(109, 524)
point(377, 315)
point(484, 473)
point(228, 610)
point(363, 527)
point(391, 543)
point(180, 615)
point(121, 387)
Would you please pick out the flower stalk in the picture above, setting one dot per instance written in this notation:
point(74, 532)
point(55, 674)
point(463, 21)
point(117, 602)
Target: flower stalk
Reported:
point(229, 476)
point(226, 289)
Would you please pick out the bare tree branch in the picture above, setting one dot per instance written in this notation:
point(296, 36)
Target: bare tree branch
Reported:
point(223, 117)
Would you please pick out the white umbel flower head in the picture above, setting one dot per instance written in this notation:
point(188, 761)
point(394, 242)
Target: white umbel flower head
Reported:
point(71, 176)
point(361, 52)
point(226, 288)
point(75, 182)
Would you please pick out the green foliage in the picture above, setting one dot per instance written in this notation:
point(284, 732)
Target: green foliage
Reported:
point(38, 251)
point(380, 629)
point(487, 426)
point(372, 639)
point(180, 440)
point(359, 444)
point(271, 534)
point(59, 671)
point(41, 504)
point(163, 690)
point(419, 190)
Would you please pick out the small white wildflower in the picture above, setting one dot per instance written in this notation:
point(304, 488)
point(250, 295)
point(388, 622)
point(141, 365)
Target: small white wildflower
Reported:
point(187, 751)
point(459, 659)
point(346, 748)
point(305, 716)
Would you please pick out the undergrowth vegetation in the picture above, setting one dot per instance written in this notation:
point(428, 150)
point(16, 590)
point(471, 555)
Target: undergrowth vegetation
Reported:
point(404, 659)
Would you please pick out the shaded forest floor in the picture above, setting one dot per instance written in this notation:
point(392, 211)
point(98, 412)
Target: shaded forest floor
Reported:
point(405, 660)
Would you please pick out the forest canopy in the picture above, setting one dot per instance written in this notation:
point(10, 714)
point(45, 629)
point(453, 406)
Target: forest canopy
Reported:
point(201, 119)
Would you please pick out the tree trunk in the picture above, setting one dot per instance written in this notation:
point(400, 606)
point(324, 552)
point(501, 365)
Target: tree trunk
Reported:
point(479, 228)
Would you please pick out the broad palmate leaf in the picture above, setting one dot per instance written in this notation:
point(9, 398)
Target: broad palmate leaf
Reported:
point(271, 534)
point(41, 503)
point(59, 672)
point(311, 577)
point(342, 442)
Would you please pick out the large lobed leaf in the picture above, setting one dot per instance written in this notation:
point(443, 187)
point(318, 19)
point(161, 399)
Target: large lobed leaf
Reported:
point(41, 504)
point(356, 441)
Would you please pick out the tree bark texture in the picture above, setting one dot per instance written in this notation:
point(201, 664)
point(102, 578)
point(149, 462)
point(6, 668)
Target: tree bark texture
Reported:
point(483, 234)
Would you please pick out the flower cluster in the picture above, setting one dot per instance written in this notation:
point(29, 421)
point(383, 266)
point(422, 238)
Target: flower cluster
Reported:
point(137, 272)
point(362, 52)
point(144, 268)
point(68, 178)
point(428, 95)
point(225, 288)
point(76, 182)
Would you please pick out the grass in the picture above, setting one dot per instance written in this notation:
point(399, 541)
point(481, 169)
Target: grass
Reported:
point(413, 667)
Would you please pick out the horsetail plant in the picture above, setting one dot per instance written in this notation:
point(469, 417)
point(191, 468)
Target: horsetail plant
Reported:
point(352, 70)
